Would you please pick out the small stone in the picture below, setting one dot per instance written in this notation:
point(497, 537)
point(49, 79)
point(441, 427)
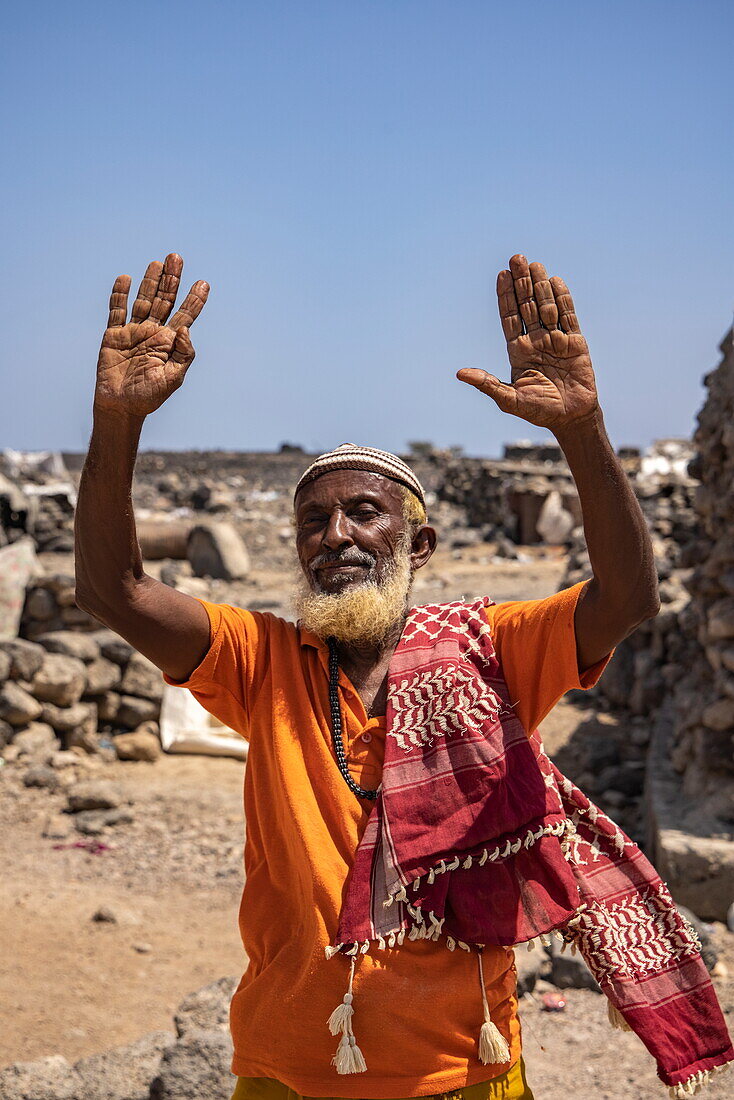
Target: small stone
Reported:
point(6, 733)
point(104, 915)
point(64, 759)
point(108, 706)
point(40, 775)
point(70, 644)
point(94, 822)
point(719, 716)
point(60, 680)
point(17, 706)
point(143, 948)
point(94, 794)
point(65, 719)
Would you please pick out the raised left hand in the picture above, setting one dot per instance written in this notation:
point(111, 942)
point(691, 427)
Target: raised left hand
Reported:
point(553, 382)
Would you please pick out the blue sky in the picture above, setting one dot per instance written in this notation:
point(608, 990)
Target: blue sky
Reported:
point(350, 175)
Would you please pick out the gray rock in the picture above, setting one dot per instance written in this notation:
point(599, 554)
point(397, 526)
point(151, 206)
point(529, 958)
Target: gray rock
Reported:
point(709, 954)
point(104, 915)
point(94, 794)
point(40, 775)
point(108, 706)
point(207, 1009)
point(115, 649)
point(26, 658)
point(47, 1079)
point(216, 550)
point(17, 706)
point(569, 971)
point(70, 644)
point(40, 605)
point(102, 676)
point(38, 740)
point(65, 719)
point(124, 1073)
point(133, 711)
point(94, 822)
point(142, 744)
point(142, 678)
point(196, 1068)
point(60, 680)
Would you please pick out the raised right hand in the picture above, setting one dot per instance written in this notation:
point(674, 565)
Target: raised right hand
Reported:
point(144, 360)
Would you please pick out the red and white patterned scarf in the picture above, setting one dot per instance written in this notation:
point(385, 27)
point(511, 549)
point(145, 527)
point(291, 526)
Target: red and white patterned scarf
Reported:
point(477, 838)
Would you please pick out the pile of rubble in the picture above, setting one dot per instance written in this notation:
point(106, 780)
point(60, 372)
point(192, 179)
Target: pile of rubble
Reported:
point(77, 693)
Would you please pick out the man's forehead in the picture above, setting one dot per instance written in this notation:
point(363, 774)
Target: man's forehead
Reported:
point(340, 486)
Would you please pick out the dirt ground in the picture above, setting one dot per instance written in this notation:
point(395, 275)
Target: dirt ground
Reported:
point(172, 879)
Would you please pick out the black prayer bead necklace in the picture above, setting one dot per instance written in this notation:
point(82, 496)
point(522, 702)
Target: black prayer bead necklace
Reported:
point(336, 724)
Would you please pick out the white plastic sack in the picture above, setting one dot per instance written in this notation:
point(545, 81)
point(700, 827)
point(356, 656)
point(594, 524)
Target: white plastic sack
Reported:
point(18, 565)
point(187, 727)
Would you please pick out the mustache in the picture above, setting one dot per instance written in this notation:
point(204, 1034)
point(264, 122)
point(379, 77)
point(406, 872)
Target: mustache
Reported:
point(351, 556)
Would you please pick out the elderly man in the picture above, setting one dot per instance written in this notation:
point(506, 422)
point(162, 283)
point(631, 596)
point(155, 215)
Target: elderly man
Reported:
point(404, 827)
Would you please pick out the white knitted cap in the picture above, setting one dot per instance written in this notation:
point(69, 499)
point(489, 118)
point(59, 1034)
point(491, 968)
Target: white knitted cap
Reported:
point(351, 457)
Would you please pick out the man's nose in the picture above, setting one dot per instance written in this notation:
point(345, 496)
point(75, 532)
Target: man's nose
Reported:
point(337, 534)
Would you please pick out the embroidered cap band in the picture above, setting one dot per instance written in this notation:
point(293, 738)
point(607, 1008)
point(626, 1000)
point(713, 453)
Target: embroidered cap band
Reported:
point(350, 457)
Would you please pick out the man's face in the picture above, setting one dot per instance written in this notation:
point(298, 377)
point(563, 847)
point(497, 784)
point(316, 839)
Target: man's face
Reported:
point(349, 525)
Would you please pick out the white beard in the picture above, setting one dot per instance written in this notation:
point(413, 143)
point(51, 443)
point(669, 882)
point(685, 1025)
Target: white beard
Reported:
point(364, 614)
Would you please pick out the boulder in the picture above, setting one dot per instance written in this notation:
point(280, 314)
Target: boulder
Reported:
point(6, 733)
point(40, 604)
point(17, 706)
point(142, 744)
point(94, 822)
point(530, 967)
point(26, 658)
point(65, 719)
point(207, 1009)
point(124, 1073)
point(102, 676)
point(49, 1078)
point(719, 716)
point(94, 794)
point(37, 740)
point(70, 644)
point(216, 550)
point(60, 680)
point(569, 971)
point(142, 678)
point(197, 1067)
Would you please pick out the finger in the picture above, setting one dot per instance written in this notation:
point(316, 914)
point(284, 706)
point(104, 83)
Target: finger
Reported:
point(567, 318)
point(167, 288)
point(191, 306)
point(146, 292)
point(524, 292)
point(507, 302)
point(503, 395)
point(118, 301)
point(544, 296)
point(182, 351)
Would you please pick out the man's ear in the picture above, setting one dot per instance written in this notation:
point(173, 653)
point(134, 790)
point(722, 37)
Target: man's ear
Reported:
point(422, 546)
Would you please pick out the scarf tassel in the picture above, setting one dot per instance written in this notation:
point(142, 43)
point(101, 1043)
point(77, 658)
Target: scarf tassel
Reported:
point(348, 1057)
point(493, 1048)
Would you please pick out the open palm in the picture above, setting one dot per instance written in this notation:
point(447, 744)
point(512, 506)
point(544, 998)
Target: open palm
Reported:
point(143, 361)
point(552, 377)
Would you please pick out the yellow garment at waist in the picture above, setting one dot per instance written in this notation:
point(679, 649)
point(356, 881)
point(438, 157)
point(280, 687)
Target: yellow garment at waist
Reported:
point(508, 1086)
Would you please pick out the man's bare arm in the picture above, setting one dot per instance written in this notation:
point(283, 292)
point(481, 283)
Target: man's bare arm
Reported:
point(553, 386)
point(141, 363)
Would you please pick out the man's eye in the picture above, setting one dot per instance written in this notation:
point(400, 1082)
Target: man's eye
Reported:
point(364, 514)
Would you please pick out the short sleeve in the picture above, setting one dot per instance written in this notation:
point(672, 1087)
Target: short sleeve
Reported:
point(535, 641)
point(223, 683)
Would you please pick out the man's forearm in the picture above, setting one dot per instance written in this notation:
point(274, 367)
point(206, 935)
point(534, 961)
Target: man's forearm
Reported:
point(108, 560)
point(623, 591)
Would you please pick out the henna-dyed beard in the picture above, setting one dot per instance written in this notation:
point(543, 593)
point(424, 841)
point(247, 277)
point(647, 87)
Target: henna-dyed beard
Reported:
point(364, 614)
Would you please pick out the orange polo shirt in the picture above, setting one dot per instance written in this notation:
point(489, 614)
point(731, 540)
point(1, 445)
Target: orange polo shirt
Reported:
point(417, 1008)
